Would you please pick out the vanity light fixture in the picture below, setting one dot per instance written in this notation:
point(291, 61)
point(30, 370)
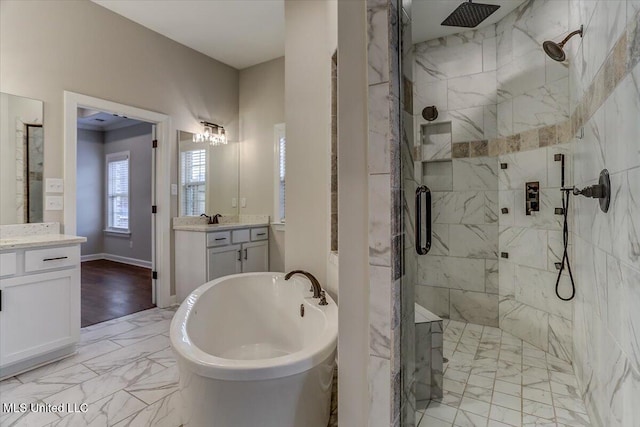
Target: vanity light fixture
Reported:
point(212, 133)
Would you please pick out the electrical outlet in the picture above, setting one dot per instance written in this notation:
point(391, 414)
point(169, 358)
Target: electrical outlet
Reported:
point(174, 189)
point(131, 243)
point(54, 185)
point(234, 202)
point(53, 203)
point(243, 202)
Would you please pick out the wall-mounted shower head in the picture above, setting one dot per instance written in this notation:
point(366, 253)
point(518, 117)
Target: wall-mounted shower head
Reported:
point(469, 14)
point(556, 50)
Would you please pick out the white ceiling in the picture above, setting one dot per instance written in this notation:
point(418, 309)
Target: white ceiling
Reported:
point(426, 16)
point(240, 33)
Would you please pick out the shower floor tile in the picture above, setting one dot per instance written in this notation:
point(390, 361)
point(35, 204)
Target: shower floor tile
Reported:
point(493, 379)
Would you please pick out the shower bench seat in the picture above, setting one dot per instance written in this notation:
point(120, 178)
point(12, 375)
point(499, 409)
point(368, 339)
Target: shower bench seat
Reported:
point(429, 362)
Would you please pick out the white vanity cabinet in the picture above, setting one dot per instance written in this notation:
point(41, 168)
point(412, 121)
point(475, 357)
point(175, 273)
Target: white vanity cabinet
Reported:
point(40, 306)
point(207, 253)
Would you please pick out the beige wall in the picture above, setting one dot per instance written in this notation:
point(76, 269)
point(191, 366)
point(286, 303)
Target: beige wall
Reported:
point(307, 114)
point(48, 47)
point(353, 233)
point(261, 107)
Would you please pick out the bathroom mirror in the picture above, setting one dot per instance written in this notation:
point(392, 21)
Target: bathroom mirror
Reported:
point(21, 159)
point(207, 177)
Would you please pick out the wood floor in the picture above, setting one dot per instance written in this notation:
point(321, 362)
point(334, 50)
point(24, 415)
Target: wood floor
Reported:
point(112, 289)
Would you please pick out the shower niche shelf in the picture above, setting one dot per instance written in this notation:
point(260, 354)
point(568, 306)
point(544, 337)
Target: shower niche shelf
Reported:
point(436, 141)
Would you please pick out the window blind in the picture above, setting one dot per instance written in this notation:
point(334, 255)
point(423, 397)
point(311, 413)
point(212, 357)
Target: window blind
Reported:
point(118, 191)
point(193, 182)
point(283, 154)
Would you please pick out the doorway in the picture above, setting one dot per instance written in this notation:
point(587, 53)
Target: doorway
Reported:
point(160, 179)
point(114, 195)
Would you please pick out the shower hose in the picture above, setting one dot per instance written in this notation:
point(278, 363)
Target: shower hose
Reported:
point(565, 256)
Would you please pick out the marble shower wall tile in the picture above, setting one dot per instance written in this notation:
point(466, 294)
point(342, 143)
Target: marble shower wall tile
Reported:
point(434, 299)
point(537, 288)
point(606, 251)
point(447, 61)
point(527, 323)
point(454, 273)
point(474, 307)
point(379, 315)
point(478, 173)
point(622, 109)
point(464, 207)
point(379, 220)
point(525, 246)
point(522, 168)
point(472, 91)
point(467, 124)
point(473, 241)
point(378, 46)
point(379, 150)
point(542, 106)
point(379, 392)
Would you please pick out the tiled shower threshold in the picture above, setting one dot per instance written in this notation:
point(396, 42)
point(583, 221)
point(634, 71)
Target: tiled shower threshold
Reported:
point(494, 379)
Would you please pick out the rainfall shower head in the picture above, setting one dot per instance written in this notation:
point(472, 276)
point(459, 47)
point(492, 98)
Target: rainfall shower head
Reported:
point(469, 14)
point(556, 50)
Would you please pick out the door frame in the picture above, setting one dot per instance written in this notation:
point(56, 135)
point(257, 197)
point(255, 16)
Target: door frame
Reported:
point(162, 233)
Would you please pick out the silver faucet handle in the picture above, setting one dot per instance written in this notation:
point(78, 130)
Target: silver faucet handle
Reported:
point(323, 298)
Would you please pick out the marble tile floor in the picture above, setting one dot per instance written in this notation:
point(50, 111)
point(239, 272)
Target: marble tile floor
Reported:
point(124, 370)
point(494, 379)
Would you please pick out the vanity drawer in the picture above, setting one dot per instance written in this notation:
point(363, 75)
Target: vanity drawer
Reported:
point(220, 238)
point(50, 258)
point(259, 234)
point(240, 236)
point(8, 266)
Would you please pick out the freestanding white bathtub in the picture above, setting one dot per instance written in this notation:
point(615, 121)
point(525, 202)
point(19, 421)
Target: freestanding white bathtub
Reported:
point(247, 357)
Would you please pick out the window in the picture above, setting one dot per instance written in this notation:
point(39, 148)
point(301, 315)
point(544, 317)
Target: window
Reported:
point(193, 182)
point(118, 191)
point(280, 172)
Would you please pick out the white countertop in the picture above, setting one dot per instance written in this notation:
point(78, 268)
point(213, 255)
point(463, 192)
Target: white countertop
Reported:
point(218, 227)
point(31, 241)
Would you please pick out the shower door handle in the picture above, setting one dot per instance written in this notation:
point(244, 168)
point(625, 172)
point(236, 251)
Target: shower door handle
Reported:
point(423, 250)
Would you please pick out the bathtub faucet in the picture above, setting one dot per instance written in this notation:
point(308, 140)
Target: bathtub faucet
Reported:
point(315, 285)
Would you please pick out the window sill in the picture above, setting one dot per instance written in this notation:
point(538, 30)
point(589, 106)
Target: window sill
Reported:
point(121, 233)
point(278, 226)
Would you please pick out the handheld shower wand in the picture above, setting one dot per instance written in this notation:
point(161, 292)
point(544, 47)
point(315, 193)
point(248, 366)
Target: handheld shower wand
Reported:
point(600, 191)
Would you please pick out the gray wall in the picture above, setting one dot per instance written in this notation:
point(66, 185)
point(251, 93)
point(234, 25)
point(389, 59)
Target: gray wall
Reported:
point(261, 107)
point(93, 146)
point(137, 140)
point(90, 190)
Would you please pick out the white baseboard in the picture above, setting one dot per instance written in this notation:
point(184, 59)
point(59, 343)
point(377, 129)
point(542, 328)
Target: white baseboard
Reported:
point(117, 258)
point(92, 257)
